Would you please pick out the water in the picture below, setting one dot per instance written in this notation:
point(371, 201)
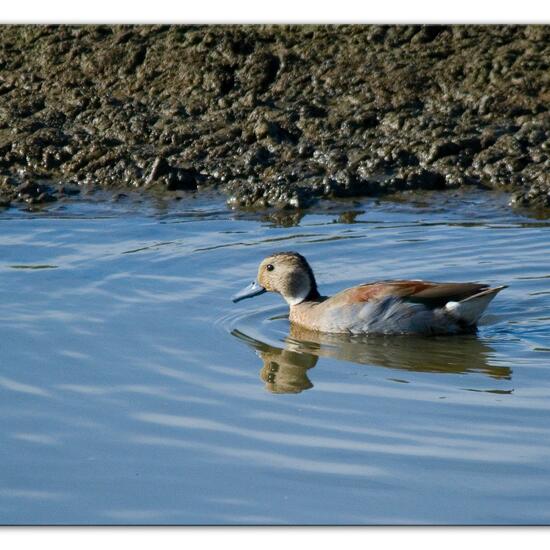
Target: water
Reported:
point(134, 391)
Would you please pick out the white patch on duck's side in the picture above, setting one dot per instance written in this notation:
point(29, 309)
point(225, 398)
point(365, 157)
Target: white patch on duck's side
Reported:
point(472, 308)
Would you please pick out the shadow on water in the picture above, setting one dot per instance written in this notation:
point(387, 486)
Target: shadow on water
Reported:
point(285, 369)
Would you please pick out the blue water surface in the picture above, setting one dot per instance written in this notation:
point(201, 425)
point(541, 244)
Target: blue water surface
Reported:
point(134, 391)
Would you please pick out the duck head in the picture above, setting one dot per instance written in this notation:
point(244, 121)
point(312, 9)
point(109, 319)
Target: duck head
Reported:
point(286, 273)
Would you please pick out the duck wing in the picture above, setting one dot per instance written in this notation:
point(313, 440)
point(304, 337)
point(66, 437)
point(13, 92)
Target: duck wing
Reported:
point(428, 293)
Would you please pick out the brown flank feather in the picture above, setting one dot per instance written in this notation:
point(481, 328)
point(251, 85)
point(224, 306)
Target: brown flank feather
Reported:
point(424, 292)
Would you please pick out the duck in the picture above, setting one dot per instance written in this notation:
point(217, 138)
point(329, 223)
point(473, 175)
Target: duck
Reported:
point(381, 307)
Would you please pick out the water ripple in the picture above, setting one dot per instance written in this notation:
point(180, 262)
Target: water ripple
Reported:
point(126, 365)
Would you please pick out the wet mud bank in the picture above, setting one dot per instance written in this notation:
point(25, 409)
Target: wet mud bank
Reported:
point(274, 116)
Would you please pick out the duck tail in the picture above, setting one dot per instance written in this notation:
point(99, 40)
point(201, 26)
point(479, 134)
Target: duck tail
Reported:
point(470, 309)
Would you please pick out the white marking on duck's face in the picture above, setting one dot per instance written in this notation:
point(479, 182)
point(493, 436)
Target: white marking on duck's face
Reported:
point(285, 274)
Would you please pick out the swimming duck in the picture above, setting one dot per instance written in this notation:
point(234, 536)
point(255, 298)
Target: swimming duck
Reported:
point(382, 307)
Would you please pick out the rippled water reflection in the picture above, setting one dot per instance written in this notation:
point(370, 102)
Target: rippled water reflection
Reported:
point(285, 366)
point(134, 391)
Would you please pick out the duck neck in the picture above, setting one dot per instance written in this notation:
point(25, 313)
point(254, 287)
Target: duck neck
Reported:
point(302, 289)
point(309, 295)
point(313, 295)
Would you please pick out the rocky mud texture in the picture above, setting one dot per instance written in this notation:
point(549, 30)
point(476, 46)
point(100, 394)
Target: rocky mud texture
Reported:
point(274, 115)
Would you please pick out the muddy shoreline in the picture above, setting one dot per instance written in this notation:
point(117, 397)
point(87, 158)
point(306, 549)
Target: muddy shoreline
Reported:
point(274, 116)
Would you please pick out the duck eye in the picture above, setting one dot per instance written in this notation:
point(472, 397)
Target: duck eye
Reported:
point(269, 267)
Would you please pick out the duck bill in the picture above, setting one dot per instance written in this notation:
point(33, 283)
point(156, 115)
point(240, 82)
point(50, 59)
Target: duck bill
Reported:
point(253, 289)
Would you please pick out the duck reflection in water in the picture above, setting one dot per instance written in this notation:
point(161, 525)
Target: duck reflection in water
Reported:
point(285, 369)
